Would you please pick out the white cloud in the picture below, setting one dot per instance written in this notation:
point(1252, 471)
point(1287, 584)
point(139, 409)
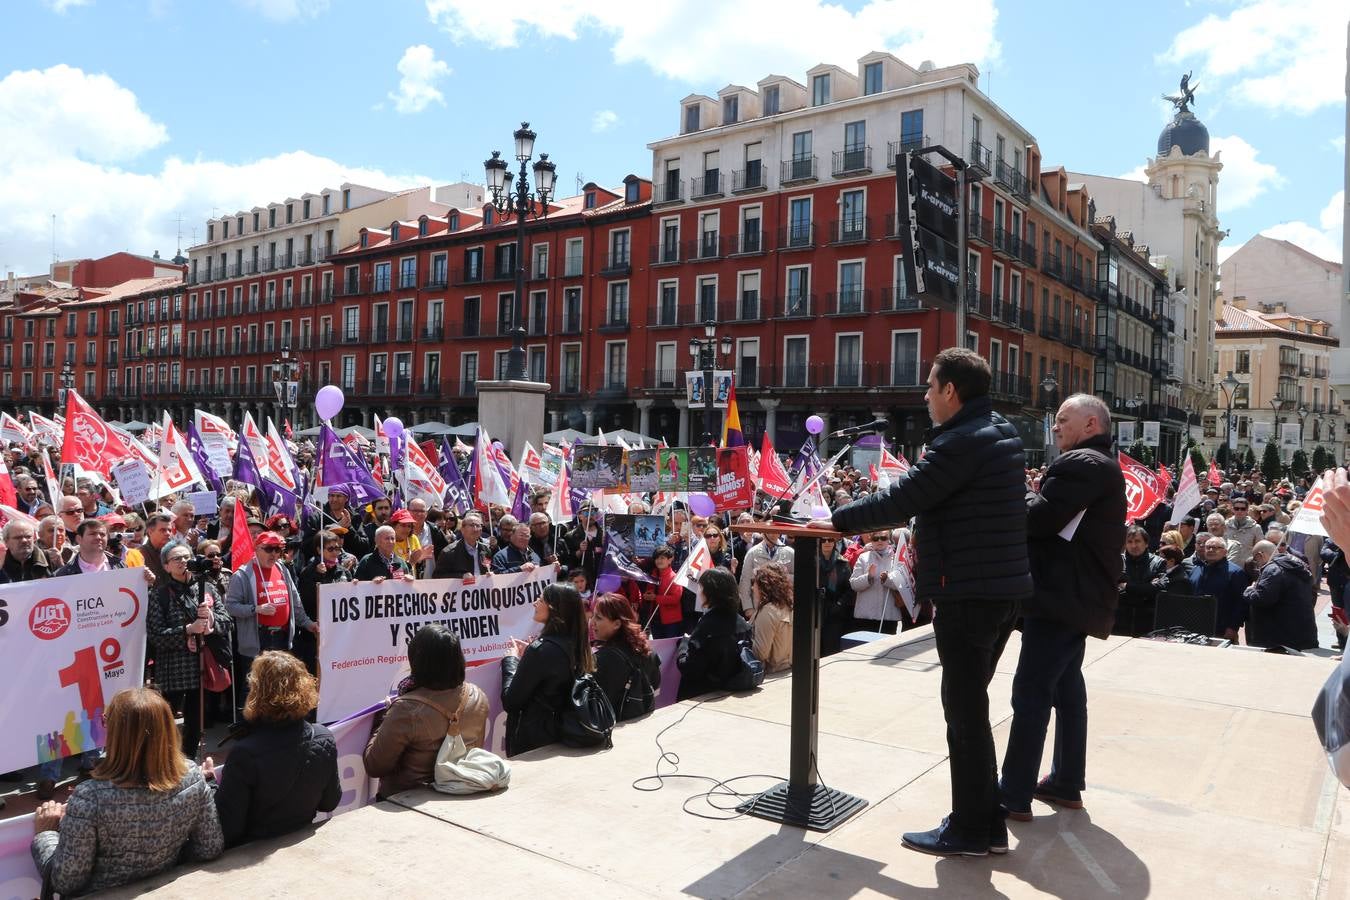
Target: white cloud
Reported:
point(286, 10)
point(1338, 142)
point(1138, 173)
point(61, 6)
point(1278, 54)
point(420, 70)
point(80, 137)
point(738, 42)
point(1244, 177)
point(604, 120)
point(1324, 241)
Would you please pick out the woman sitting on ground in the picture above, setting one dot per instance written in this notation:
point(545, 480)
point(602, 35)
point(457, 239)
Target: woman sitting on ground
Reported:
point(711, 655)
point(772, 592)
point(433, 702)
point(145, 808)
point(537, 678)
point(283, 770)
point(625, 665)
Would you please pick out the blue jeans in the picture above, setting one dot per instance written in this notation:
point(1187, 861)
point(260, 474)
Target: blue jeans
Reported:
point(1049, 675)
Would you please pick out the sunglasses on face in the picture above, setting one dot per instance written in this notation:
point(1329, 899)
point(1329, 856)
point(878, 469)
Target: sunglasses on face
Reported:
point(332, 546)
point(212, 555)
point(269, 549)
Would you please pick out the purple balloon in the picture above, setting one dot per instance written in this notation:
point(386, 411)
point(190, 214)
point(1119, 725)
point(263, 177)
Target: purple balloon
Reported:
point(498, 445)
point(393, 427)
point(702, 504)
point(815, 424)
point(328, 401)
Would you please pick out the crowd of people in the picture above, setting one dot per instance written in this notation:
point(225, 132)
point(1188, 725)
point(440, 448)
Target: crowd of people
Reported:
point(966, 540)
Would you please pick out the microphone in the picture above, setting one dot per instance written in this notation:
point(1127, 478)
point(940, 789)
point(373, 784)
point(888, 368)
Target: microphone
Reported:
point(869, 428)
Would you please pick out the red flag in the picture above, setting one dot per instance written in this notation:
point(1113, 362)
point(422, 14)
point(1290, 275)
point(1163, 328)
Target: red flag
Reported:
point(1164, 480)
point(1141, 489)
point(8, 496)
point(1214, 477)
point(88, 439)
point(894, 466)
point(873, 474)
point(241, 542)
point(290, 435)
point(773, 478)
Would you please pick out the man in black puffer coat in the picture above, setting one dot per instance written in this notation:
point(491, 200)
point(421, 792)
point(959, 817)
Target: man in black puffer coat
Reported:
point(967, 492)
point(1075, 528)
point(1281, 613)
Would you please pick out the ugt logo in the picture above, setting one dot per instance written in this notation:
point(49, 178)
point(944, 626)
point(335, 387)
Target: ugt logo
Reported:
point(91, 437)
point(49, 619)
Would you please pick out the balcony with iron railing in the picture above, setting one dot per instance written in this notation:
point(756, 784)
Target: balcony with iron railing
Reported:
point(573, 264)
point(610, 382)
point(670, 192)
point(618, 264)
point(747, 243)
point(1052, 265)
point(853, 302)
point(472, 275)
point(1052, 328)
point(616, 317)
point(664, 254)
point(1011, 178)
point(851, 161)
point(979, 303)
point(980, 159)
point(850, 230)
point(749, 179)
point(898, 299)
point(794, 306)
point(709, 245)
point(436, 280)
point(798, 170)
point(798, 236)
point(906, 144)
point(978, 228)
point(706, 186)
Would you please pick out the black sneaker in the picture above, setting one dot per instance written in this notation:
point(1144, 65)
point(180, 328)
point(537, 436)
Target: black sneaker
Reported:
point(941, 841)
point(998, 833)
point(1049, 792)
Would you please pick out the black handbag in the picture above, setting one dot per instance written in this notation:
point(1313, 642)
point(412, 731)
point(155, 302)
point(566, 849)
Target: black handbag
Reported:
point(639, 697)
point(587, 720)
point(750, 675)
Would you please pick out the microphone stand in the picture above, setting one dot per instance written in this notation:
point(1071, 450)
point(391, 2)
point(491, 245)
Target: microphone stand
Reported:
point(784, 514)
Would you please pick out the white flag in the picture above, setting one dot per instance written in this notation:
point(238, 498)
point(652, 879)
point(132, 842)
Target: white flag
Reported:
point(696, 563)
point(1188, 492)
point(1309, 518)
point(177, 470)
point(279, 460)
point(420, 477)
point(12, 430)
point(257, 444)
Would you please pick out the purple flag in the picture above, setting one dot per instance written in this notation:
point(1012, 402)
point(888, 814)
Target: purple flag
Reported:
point(340, 467)
point(520, 506)
point(615, 567)
point(278, 499)
point(198, 452)
point(457, 495)
point(579, 496)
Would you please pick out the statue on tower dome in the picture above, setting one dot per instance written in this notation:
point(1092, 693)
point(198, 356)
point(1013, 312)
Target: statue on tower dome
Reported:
point(1183, 100)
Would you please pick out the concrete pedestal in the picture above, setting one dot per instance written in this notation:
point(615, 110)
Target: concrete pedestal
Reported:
point(513, 412)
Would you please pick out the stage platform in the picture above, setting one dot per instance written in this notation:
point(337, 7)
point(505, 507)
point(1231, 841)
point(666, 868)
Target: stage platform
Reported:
point(1205, 780)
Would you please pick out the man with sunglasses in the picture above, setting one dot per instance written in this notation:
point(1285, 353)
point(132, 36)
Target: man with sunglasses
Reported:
point(328, 565)
point(968, 494)
point(1242, 530)
point(265, 604)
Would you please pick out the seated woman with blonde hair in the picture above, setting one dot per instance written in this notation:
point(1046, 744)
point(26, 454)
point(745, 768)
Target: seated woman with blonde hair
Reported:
point(145, 808)
point(283, 771)
point(433, 702)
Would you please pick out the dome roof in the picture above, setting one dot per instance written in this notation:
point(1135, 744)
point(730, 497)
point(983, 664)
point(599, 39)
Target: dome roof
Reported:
point(1186, 132)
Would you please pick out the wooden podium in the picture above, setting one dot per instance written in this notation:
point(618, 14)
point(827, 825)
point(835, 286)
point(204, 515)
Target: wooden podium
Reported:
point(802, 800)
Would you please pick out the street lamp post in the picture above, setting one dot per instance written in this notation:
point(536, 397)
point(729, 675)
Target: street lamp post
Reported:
point(1276, 404)
point(704, 353)
point(1230, 386)
point(1048, 387)
point(1302, 417)
point(285, 374)
point(523, 204)
point(67, 382)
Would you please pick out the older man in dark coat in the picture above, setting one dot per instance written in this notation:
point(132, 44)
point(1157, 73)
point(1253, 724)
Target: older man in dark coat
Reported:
point(1075, 529)
point(967, 494)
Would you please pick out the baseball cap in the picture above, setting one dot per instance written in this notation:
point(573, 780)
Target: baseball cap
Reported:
point(402, 516)
point(270, 539)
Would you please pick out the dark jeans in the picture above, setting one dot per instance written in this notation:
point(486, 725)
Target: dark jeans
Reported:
point(970, 637)
point(1049, 674)
point(189, 703)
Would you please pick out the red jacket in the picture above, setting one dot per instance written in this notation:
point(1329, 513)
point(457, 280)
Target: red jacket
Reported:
point(669, 596)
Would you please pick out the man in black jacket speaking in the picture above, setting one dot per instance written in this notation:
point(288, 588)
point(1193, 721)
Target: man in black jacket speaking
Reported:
point(1075, 529)
point(967, 492)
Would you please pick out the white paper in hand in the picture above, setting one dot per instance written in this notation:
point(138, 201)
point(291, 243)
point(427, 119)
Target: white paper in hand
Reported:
point(1069, 530)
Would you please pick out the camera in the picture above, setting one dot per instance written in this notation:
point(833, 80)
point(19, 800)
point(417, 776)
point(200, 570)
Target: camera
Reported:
point(200, 565)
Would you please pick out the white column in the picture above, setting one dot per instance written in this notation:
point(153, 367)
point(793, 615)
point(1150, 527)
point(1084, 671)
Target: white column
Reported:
point(683, 439)
point(770, 408)
point(644, 415)
point(589, 413)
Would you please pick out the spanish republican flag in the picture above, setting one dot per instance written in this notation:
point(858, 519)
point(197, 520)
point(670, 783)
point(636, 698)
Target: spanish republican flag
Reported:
point(732, 436)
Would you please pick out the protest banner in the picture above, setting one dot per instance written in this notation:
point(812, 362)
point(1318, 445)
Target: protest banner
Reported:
point(366, 628)
point(133, 481)
point(642, 470)
point(204, 503)
point(672, 468)
point(702, 476)
point(734, 489)
point(597, 467)
point(66, 646)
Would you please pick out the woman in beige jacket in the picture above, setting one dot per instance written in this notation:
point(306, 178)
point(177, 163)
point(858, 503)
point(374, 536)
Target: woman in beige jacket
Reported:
point(435, 701)
point(772, 592)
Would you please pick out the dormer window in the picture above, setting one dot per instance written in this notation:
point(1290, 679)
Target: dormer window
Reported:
point(365, 239)
point(730, 110)
point(630, 192)
point(487, 215)
point(820, 90)
point(771, 100)
point(452, 222)
point(422, 227)
point(691, 118)
point(590, 200)
point(393, 233)
point(872, 78)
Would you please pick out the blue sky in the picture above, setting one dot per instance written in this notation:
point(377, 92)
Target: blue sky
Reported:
point(136, 112)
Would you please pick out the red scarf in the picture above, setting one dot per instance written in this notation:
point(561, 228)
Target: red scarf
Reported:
point(271, 588)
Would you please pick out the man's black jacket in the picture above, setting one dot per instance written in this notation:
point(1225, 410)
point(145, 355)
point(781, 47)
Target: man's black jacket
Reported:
point(968, 493)
point(1076, 579)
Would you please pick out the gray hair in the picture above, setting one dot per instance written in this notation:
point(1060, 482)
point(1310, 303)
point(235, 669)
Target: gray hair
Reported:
point(14, 525)
point(1092, 406)
point(170, 547)
point(55, 521)
point(383, 530)
point(184, 506)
